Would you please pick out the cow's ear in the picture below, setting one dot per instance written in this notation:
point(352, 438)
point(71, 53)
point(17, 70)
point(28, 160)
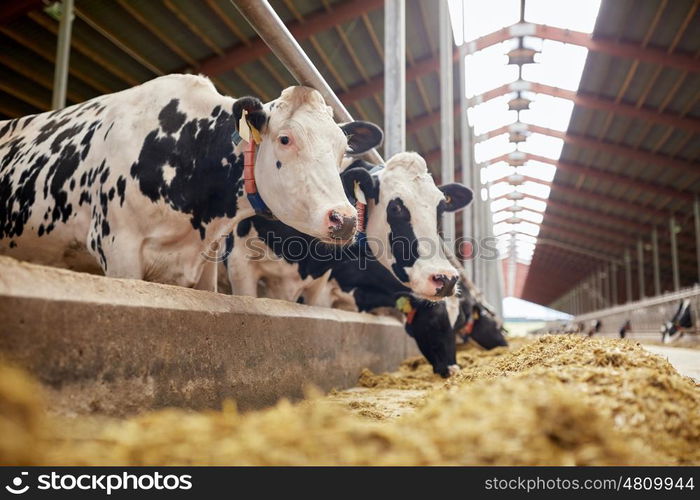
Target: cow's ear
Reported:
point(257, 117)
point(457, 196)
point(362, 136)
point(359, 175)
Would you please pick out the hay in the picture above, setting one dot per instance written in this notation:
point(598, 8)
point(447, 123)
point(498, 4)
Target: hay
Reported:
point(561, 400)
point(21, 418)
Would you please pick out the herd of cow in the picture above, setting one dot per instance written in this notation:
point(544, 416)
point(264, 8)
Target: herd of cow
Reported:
point(174, 183)
point(671, 331)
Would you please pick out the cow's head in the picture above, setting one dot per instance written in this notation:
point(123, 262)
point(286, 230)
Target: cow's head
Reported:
point(477, 324)
point(298, 160)
point(404, 207)
point(429, 323)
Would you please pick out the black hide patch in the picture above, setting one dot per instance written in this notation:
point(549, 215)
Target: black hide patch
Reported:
point(208, 173)
point(433, 334)
point(170, 118)
point(402, 240)
point(60, 134)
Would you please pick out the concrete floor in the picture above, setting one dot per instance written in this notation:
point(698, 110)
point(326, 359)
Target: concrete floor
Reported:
point(686, 361)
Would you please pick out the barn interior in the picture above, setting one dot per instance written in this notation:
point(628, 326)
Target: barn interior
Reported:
point(575, 124)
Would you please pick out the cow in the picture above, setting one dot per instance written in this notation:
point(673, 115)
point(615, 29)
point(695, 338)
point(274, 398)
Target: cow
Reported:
point(625, 329)
point(436, 325)
point(142, 183)
point(672, 330)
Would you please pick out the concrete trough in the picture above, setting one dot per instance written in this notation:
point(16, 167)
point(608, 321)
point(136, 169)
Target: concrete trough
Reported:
point(117, 347)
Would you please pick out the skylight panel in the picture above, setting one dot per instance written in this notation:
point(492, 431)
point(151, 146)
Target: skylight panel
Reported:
point(499, 189)
point(535, 189)
point(531, 216)
point(542, 145)
point(496, 171)
point(559, 65)
point(492, 148)
point(500, 216)
point(478, 18)
point(527, 228)
point(488, 69)
point(500, 204)
point(576, 15)
point(526, 238)
point(538, 170)
point(550, 112)
point(532, 204)
point(501, 228)
point(491, 115)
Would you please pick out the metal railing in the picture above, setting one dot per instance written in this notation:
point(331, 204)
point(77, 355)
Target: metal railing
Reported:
point(647, 315)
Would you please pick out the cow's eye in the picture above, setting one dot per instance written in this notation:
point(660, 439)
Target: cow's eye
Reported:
point(284, 140)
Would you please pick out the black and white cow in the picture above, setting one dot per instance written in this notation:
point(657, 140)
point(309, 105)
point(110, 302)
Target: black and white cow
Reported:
point(141, 183)
point(681, 321)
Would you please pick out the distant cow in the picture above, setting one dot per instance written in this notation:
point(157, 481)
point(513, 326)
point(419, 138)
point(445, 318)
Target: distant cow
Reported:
point(681, 321)
point(140, 183)
point(625, 328)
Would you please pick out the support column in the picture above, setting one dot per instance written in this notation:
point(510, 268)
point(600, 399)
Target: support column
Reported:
point(613, 284)
point(674, 254)
point(446, 113)
point(655, 257)
point(394, 77)
point(475, 214)
point(696, 212)
point(468, 229)
point(628, 276)
point(640, 268)
point(60, 76)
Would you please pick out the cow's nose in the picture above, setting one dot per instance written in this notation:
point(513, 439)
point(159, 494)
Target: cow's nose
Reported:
point(444, 284)
point(341, 227)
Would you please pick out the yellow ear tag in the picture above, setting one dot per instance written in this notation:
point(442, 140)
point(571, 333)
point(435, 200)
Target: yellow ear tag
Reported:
point(243, 128)
point(476, 315)
point(360, 196)
point(256, 135)
point(403, 304)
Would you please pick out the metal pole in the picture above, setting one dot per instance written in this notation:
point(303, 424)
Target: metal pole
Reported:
point(628, 276)
point(468, 230)
point(475, 213)
point(446, 113)
point(696, 212)
point(615, 299)
point(394, 77)
point(265, 21)
point(655, 257)
point(640, 269)
point(60, 76)
point(674, 254)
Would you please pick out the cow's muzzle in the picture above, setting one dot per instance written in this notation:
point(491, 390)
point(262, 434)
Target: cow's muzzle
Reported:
point(341, 227)
point(445, 284)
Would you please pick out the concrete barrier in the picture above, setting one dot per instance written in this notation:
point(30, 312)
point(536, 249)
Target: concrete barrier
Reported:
point(116, 346)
